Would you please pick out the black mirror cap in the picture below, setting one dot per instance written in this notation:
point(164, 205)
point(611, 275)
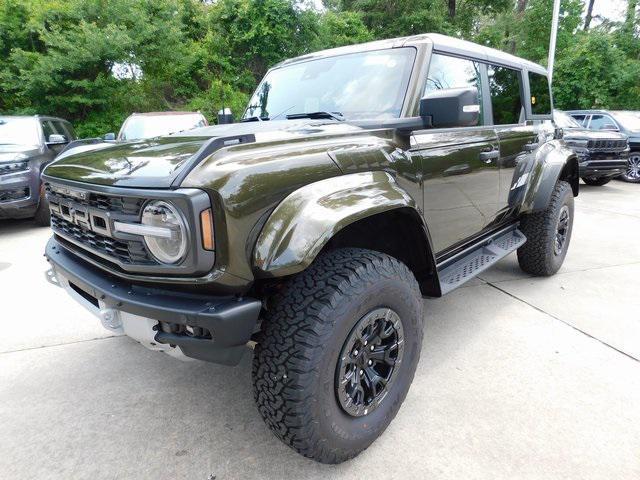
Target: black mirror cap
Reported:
point(109, 137)
point(225, 117)
point(452, 107)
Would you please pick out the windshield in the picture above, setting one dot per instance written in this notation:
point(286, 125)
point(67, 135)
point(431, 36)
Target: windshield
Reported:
point(629, 120)
point(366, 85)
point(148, 126)
point(18, 131)
point(564, 120)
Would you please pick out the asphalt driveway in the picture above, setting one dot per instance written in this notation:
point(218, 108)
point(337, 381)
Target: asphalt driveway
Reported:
point(519, 378)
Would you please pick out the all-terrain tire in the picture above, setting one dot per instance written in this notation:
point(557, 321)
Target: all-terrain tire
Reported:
point(596, 182)
point(307, 323)
point(540, 256)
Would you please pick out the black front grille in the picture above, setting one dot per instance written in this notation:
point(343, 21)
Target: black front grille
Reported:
point(12, 195)
point(607, 145)
point(131, 252)
point(107, 203)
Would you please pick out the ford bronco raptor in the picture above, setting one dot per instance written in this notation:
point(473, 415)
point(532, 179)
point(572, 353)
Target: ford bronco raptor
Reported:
point(360, 181)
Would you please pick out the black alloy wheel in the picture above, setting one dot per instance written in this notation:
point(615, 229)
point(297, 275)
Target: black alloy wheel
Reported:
point(368, 361)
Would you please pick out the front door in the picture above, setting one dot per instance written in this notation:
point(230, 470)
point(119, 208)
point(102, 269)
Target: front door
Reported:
point(459, 166)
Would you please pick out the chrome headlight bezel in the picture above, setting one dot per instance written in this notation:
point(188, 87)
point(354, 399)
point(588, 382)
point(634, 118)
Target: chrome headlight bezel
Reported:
point(172, 221)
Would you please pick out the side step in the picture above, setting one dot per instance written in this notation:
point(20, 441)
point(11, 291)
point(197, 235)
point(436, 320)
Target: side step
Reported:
point(476, 261)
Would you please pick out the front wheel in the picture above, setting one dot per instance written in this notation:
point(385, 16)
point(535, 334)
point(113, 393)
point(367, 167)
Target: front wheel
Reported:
point(596, 181)
point(42, 216)
point(633, 169)
point(548, 234)
point(337, 354)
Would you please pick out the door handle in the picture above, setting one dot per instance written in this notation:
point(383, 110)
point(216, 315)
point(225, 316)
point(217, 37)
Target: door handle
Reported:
point(487, 157)
point(530, 147)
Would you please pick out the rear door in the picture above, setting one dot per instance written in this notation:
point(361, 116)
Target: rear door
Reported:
point(517, 137)
point(459, 166)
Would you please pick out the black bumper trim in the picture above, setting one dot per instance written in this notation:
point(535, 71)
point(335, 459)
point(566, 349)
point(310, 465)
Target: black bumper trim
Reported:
point(231, 320)
point(610, 168)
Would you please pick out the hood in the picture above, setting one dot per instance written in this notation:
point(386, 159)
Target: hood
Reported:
point(583, 134)
point(12, 153)
point(159, 162)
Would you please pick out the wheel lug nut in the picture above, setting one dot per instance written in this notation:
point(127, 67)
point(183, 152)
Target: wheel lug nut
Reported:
point(365, 343)
point(361, 372)
point(372, 348)
point(370, 362)
point(355, 352)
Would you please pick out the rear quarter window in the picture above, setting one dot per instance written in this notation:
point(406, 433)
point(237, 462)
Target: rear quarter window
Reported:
point(540, 94)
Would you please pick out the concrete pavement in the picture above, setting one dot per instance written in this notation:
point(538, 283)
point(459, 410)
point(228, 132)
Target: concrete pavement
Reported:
point(519, 378)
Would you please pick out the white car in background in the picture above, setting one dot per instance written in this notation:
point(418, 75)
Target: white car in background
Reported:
point(141, 126)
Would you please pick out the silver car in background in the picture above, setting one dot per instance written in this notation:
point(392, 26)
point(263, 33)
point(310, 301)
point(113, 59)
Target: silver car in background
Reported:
point(27, 145)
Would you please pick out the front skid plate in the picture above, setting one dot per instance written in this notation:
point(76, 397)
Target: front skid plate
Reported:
point(479, 259)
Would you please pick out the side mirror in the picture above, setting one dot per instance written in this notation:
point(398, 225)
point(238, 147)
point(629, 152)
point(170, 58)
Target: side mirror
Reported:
point(56, 139)
point(225, 117)
point(452, 107)
point(109, 137)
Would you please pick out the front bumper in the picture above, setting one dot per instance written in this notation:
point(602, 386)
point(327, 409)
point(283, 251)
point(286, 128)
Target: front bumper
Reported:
point(19, 194)
point(150, 315)
point(607, 168)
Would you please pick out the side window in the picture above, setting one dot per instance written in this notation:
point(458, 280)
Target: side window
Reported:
point(59, 128)
point(581, 119)
point(504, 84)
point(47, 129)
point(540, 94)
point(450, 72)
point(602, 122)
point(70, 133)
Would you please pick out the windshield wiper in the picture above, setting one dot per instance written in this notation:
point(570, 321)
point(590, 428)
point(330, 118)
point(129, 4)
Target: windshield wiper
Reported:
point(332, 115)
point(254, 119)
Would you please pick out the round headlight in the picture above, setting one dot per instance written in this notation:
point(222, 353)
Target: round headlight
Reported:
point(171, 247)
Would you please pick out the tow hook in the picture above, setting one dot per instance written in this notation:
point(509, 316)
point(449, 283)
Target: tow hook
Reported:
point(51, 277)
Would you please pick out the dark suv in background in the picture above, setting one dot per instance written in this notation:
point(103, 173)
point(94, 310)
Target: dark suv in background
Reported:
point(616, 121)
point(27, 145)
point(602, 155)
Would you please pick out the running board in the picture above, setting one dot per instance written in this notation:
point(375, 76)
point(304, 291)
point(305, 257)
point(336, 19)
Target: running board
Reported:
point(478, 260)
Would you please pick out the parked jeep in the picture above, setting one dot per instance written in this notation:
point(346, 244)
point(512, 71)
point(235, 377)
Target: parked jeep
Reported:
point(602, 155)
point(362, 180)
point(27, 144)
point(616, 121)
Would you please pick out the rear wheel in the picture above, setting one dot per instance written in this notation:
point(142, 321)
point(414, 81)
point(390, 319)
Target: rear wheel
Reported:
point(633, 169)
point(548, 234)
point(338, 352)
point(596, 181)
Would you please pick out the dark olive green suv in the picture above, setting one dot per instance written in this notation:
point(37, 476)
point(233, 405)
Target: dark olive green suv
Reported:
point(360, 181)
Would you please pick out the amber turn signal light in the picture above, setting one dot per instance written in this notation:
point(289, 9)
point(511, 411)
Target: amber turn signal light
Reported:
point(206, 223)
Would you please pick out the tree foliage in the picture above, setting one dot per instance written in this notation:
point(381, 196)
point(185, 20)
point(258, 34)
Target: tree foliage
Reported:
point(96, 61)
